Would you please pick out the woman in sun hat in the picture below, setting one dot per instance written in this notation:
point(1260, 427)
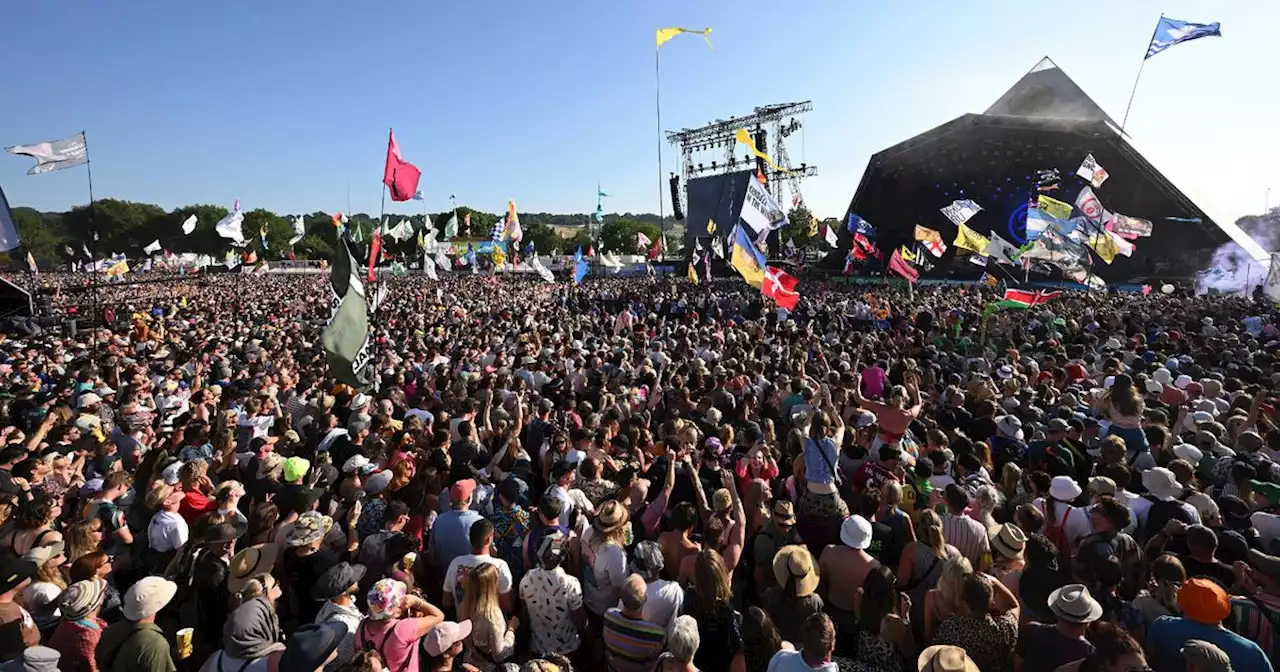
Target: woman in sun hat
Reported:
point(604, 555)
point(397, 621)
point(1064, 523)
point(795, 597)
point(1007, 560)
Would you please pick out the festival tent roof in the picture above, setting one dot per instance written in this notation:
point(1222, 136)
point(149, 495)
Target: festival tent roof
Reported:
point(1043, 121)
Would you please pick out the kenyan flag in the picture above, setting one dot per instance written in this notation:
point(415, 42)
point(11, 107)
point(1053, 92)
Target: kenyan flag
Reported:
point(1021, 298)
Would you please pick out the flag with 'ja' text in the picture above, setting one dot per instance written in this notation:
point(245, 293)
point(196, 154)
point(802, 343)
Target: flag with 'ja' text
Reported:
point(346, 342)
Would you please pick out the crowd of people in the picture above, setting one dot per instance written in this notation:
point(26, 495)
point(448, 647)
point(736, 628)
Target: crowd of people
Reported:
point(641, 475)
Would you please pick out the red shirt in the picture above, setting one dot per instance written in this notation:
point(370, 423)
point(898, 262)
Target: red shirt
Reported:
point(872, 475)
point(194, 504)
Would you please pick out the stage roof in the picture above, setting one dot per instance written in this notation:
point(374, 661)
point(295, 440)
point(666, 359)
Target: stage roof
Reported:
point(1045, 121)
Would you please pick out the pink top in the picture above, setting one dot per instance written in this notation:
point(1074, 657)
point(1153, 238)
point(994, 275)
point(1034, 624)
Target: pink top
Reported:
point(874, 380)
point(399, 650)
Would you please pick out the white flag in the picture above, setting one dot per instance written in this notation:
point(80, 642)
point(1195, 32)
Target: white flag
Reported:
point(189, 225)
point(642, 241)
point(55, 154)
point(378, 297)
point(429, 267)
point(1001, 250)
point(442, 260)
point(1090, 170)
point(1272, 287)
point(1089, 206)
point(977, 260)
point(961, 211)
point(760, 211)
point(229, 227)
point(717, 247)
point(299, 230)
point(832, 239)
point(152, 248)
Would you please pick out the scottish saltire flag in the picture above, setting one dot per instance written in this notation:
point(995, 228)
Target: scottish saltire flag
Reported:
point(1172, 31)
point(54, 154)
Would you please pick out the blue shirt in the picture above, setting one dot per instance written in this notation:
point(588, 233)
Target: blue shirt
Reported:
point(451, 535)
point(817, 469)
point(1168, 634)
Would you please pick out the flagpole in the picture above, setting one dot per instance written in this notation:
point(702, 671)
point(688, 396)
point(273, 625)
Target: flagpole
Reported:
point(93, 249)
point(1139, 77)
point(657, 100)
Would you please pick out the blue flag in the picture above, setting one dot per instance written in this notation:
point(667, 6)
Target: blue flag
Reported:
point(580, 271)
point(417, 195)
point(860, 225)
point(577, 255)
point(1172, 31)
point(9, 238)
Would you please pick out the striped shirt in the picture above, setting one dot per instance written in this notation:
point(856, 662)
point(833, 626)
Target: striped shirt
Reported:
point(1254, 625)
point(631, 644)
point(968, 536)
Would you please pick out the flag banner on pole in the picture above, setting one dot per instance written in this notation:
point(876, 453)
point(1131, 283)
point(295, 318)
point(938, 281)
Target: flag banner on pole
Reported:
point(906, 254)
point(865, 247)
point(760, 211)
point(1128, 227)
point(1029, 299)
point(989, 280)
point(229, 227)
point(1054, 207)
point(1089, 205)
point(417, 195)
point(642, 241)
point(968, 239)
point(743, 137)
point(346, 342)
point(932, 240)
point(861, 226)
point(1172, 31)
point(1053, 247)
point(746, 259)
point(978, 260)
point(1000, 250)
point(832, 239)
point(902, 268)
point(31, 263)
point(512, 230)
point(781, 287)
point(400, 176)
point(711, 226)
point(1091, 171)
point(813, 227)
point(299, 230)
point(693, 271)
point(55, 154)
point(665, 34)
point(375, 250)
point(1271, 288)
point(442, 260)
point(1038, 221)
point(189, 225)
point(9, 238)
point(1108, 244)
point(152, 248)
point(961, 211)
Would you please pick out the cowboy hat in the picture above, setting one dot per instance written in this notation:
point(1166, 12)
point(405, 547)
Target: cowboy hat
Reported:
point(1074, 604)
point(1008, 540)
point(943, 658)
point(795, 563)
point(250, 562)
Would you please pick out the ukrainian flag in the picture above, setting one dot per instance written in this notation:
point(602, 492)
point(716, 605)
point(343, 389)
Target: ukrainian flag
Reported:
point(748, 260)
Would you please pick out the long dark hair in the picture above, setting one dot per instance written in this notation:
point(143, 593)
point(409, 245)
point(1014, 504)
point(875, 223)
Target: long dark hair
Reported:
point(879, 593)
point(760, 639)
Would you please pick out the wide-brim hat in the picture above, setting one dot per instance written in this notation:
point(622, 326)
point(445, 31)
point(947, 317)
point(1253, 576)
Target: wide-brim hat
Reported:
point(310, 528)
point(855, 532)
point(1074, 604)
point(611, 517)
point(1161, 483)
point(336, 580)
point(1064, 489)
point(945, 658)
point(1008, 540)
point(250, 562)
point(784, 512)
point(795, 563)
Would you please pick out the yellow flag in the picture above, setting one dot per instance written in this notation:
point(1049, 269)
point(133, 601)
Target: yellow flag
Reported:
point(745, 138)
point(908, 254)
point(711, 226)
point(968, 239)
point(665, 34)
point(813, 226)
point(693, 274)
point(927, 234)
point(1055, 208)
point(498, 257)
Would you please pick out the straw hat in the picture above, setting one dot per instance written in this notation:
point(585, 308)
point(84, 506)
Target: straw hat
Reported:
point(611, 518)
point(1008, 540)
point(250, 562)
point(943, 658)
point(795, 562)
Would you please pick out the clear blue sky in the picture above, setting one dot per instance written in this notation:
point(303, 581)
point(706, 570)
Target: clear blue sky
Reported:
point(285, 104)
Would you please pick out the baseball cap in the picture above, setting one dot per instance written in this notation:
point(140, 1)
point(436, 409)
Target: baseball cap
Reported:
point(462, 489)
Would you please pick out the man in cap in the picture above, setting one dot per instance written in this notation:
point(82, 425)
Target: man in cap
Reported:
point(338, 588)
point(778, 531)
point(1205, 605)
point(451, 533)
point(137, 644)
point(1047, 647)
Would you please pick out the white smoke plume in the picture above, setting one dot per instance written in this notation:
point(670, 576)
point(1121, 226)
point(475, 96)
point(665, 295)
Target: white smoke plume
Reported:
point(1232, 270)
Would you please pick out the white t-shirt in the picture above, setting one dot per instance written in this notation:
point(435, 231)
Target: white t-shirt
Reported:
point(455, 578)
point(606, 570)
point(663, 604)
point(167, 531)
point(791, 661)
point(1077, 525)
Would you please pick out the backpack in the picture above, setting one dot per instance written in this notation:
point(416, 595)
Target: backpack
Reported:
point(1055, 529)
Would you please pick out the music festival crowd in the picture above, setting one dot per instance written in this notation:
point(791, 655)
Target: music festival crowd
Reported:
point(641, 474)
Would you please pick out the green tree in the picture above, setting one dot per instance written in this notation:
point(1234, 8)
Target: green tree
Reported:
point(797, 228)
point(543, 237)
point(620, 236)
point(204, 239)
point(124, 226)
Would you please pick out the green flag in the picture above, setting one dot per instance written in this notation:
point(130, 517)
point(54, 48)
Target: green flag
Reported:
point(346, 340)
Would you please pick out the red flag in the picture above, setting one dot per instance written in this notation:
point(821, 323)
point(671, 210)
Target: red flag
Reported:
point(899, 265)
point(781, 287)
point(656, 250)
point(1030, 299)
point(591, 250)
point(291, 257)
point(400, 176)
point(375, 248)
point(863, 246)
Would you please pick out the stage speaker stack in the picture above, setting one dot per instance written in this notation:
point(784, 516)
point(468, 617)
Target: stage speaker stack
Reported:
point(676, 209)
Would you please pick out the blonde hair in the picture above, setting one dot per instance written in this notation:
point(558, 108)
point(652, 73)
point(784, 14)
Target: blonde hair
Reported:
point(480, 595)
point(951, 584)
point(929, 533)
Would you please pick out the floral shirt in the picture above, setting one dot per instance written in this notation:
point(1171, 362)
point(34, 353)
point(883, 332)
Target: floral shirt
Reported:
point(552, 596)
point(509, 528)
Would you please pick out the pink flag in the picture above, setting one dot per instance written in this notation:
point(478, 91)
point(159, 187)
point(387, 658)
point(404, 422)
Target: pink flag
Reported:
point(1146, 289)
point(235, 208)
point(400, 176)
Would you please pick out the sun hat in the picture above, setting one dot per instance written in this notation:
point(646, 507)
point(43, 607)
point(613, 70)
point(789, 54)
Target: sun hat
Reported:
point(1008, 540)
point(611, 517)
point(34, 659)
point(378, 482)
point(1161, 483)
point(147, 597)
point(444, 636)
point(355, 463)
point(336, 580)
point(385, 599)
point(1162, 376)
point(795, 562)
point(1204, 601)
point(1267, 489)
point(945, 658)
point(1188, 452)
point(1010, 426)
point(82, 597)
point(1206, 656)
point(1102, 485)
point(310, 528)
point(250, 562)
point(1074, 604)
point(43, 554)
point(1064, 489)
point(1182, 382)
point(784, 512)
point(855, 532)
point(310, 645)
point(295, 468)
